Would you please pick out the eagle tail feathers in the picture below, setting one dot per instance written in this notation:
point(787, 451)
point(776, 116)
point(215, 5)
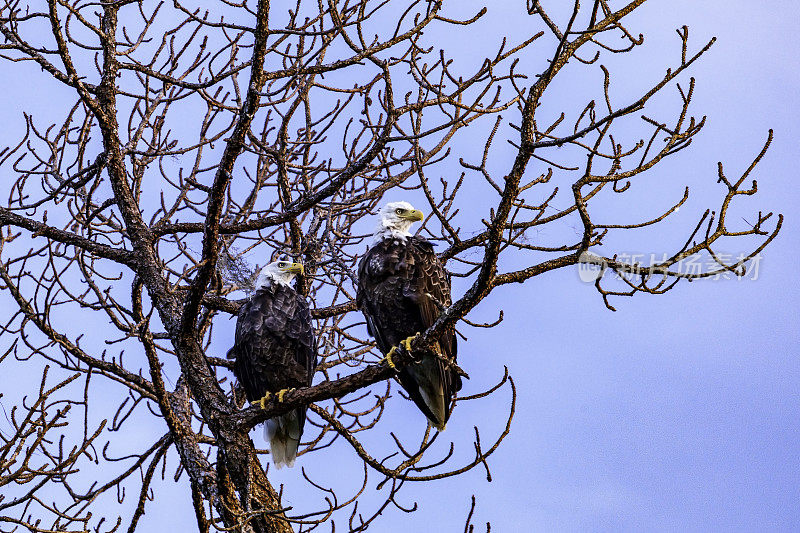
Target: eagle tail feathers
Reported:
point(283, 433)
point(436, 405)
point(429, 381)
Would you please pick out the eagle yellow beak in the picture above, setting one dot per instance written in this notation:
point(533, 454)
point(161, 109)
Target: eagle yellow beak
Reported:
point(413, 215)
point(295, 268)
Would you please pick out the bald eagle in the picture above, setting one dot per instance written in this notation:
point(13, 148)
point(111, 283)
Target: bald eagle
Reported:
point(402, 289)
point(276, 351)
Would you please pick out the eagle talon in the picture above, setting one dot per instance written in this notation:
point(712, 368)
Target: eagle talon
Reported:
point(281, 393)
point(388, 358)
point(406, 343)
point(260, 403)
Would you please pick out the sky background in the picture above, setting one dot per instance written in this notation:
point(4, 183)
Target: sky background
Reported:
point(678, 412)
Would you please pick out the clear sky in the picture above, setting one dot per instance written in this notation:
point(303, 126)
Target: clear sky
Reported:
point(678, 412)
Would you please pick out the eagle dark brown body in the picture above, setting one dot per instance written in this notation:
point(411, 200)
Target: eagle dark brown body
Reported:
point(275, 349)
point(402, 290)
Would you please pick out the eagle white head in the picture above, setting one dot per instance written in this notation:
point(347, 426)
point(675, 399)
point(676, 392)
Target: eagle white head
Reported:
point(281, 271)
point(396, 219)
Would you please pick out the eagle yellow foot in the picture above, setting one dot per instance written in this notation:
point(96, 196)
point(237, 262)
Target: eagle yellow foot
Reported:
point(388, 358)
point(281, 393)
point(260, 403)
point(406, 343)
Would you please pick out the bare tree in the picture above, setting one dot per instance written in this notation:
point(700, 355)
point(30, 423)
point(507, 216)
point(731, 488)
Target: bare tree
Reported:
point(199, 143)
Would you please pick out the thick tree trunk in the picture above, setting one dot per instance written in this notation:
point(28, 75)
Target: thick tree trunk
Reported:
point(238, 470)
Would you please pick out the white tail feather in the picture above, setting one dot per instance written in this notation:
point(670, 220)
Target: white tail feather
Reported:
point(283, 435)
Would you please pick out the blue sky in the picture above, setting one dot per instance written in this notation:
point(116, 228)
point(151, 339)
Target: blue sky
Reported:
point(677, 412)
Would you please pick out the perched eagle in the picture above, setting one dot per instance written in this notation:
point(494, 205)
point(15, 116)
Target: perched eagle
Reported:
point(276, 351)
point(402, 289)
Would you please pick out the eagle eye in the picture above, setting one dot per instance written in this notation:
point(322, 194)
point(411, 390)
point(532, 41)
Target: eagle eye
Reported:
point(399, 211)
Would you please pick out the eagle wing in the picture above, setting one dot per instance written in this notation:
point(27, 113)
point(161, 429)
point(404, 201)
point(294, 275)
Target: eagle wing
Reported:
point(431, 293)
point(430, 290)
